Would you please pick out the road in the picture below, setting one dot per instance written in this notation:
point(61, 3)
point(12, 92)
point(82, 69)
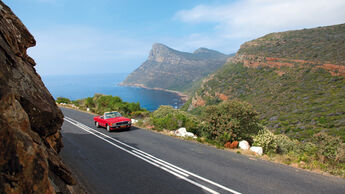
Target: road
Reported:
point(142, 161)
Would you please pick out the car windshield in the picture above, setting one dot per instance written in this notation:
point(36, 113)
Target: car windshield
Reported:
point(111, 115)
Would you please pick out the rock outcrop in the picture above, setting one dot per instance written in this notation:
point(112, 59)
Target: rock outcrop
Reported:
point(30, 121)
point(167, 68)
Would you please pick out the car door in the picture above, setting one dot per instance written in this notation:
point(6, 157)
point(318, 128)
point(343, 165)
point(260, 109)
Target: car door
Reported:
point(102, 121)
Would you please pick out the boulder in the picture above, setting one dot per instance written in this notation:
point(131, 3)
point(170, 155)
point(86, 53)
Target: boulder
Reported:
point(190, 134)
point(244, 145)
point(182, 132)
point(257, 150)
point(227, 144)
point(134, 121)
point(234, 145)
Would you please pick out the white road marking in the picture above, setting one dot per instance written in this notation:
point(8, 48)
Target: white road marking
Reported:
point(156, 161)
point(166, 166)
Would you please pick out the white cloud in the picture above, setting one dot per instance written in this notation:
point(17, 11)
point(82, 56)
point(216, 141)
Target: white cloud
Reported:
point(250, 19)
point(80, 49)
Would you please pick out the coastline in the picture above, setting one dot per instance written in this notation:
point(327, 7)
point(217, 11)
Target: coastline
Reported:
point(184, 97)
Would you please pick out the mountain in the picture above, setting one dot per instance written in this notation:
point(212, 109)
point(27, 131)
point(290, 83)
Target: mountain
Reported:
point(30, 121)
point(295, 79)
point(167, 68)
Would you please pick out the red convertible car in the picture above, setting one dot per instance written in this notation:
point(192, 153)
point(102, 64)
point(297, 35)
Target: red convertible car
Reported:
point(112, 121)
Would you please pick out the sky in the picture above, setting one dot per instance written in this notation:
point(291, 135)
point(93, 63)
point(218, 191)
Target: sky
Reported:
point(115, 36)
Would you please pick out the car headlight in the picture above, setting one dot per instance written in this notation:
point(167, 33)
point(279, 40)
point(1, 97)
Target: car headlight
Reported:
point(129, 122)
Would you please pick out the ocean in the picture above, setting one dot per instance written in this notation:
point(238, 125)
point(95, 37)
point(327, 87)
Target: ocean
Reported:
point(82, 86)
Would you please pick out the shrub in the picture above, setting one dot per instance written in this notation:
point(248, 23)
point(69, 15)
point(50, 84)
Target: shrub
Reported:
point(166, 117)
point(63, 100)
point(89, 102)
point(224, 138)
point(104, 103)
point(140, 114)
point(284, 144)
point(330, 148)
point(340, 158)
point(230, 121)
point(267, 140)
point(307, 148)
point(76, 102)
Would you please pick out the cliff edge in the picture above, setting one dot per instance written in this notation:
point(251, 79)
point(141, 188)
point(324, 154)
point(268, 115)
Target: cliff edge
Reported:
point(30, 121)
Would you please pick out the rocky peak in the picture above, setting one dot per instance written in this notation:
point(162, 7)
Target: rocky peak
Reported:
point(160, 51)
point(171, 69)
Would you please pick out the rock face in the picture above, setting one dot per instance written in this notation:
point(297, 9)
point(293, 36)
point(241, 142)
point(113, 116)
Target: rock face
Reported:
point(175, 70)
point(30, 121)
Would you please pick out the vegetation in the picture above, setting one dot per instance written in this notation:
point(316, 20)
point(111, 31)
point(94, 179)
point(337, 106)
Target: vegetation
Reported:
point(63, 100)
point(301, 106)
point(236, 120)
point(323, 44)
point(104, 103)
point(166, 117)
point(324, 152)
point(300, 103)
point(230, 121)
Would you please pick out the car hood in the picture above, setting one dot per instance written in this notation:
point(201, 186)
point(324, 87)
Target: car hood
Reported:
point(117, 119)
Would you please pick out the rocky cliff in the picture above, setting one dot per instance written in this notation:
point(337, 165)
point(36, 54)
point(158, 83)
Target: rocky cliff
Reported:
point(30, 121)
point(295, 79)
point(175, 70)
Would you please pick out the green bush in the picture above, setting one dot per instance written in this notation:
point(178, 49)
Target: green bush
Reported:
point(104, 103)
point(305, 148)
point(166, 117)
point(89, 103)
point(330, 149)
point(267, 140)
point(140, 114)
point(340, 158)
point(63, 100)
point(231, 120)
point(76, 102)
point(284, 144)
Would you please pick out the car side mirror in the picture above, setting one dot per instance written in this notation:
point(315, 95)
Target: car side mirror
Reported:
point(102, 117)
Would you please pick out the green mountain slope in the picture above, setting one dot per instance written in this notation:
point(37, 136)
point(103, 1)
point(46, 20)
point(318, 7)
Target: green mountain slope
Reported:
point(322, 44)
point(297, 85)
point(175, 70)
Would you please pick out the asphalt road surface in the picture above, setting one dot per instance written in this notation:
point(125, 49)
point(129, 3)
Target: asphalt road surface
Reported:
point(142, 161)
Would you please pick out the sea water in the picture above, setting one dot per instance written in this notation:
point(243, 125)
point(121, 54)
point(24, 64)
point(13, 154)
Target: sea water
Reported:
point(82, 86)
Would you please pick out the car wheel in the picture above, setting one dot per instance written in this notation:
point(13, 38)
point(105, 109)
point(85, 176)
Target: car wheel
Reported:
point(108, 128)
point(97, 125)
